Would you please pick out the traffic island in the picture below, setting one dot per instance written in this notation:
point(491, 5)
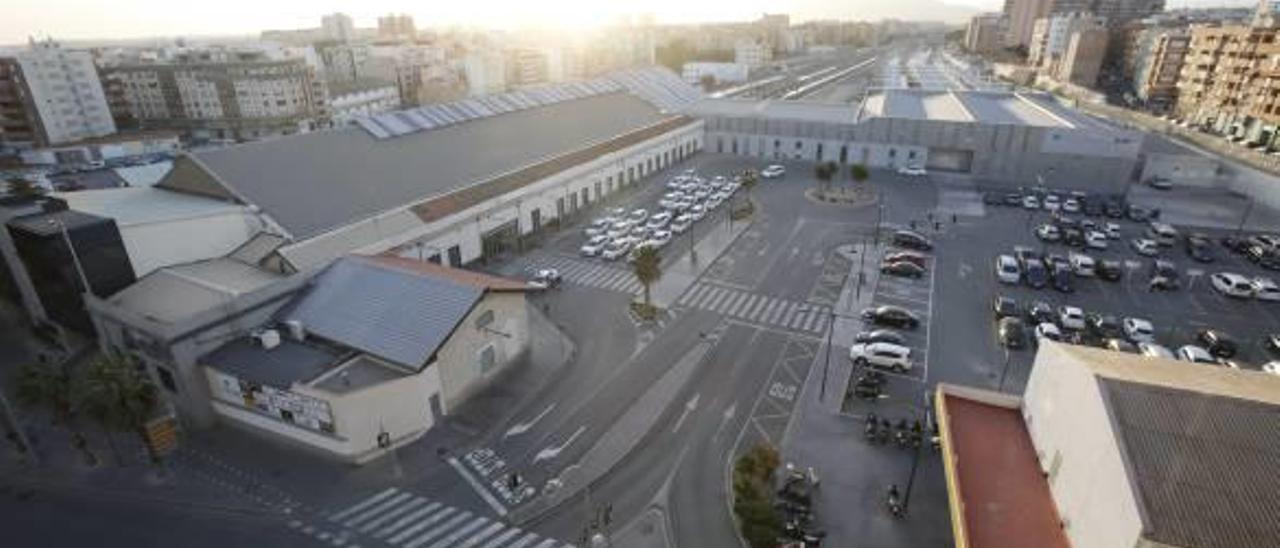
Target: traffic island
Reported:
point(855, 196)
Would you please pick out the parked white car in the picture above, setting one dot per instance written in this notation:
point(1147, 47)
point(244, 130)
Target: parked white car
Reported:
point(1138, 330)
point(1272, 367)
point(1232, 285)
point(659, 220)
point(1052, 203)
point(1046, 330)
point(1031, 202)
point(638, 215)
point(594, 246)
point(681, 224)
point(1113, 231)
point(882, 355)
point(1071, 318)
point(1265, 289)
point(1095, 240)
point(599, 226)
point(1083, 265)
point(619, 230)
point(616, 249)
point(697, 212)
point(1048, 232)
point(1072, 205)
point(1153, 350)
point(773, 172)
point(1145, 247)
point(912, 171)
point(1195, 354)
point(1007, 270)
point(659, 238)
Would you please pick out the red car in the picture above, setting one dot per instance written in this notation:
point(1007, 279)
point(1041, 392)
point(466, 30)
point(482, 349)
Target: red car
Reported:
point(905, 256)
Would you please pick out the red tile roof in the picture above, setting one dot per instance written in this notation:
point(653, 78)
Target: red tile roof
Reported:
point(998, 494)
point(466, 277)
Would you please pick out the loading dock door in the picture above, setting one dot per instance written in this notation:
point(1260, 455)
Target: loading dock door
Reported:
point(951, 160)
point(499, 240)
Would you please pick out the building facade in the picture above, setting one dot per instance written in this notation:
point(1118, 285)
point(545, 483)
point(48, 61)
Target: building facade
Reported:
point(985, 33)
point(751, 52)
point(1230, 79)
point(337, 27)
point(397, 27)
point(720, 73)
point(1157, 57)
point(1020, 19)
point(224, 95)
point(50, 96)
point(361, 98)
point(1082, 61)
point(1052, 35)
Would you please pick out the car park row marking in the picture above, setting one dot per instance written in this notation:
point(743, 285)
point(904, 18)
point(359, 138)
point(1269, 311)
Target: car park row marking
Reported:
point(757, 308)
point(407, 520)
point(593, 275)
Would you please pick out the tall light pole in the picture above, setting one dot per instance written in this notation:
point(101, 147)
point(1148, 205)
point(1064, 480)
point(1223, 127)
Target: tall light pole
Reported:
point(75, 257)
point(1244, 218)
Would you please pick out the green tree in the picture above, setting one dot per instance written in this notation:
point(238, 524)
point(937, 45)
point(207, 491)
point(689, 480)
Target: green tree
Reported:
point(748, 181)
point(646, 263)
point(117, 395)
point(859, 173)
point(52, 387)
point(824, 172)
point(18, 186)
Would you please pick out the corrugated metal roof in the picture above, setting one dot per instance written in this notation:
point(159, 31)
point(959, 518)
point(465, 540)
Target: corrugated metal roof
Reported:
point(315, 182)
point(1205, 466)
point(144, 205)
point(175, 293)
point(392, 313)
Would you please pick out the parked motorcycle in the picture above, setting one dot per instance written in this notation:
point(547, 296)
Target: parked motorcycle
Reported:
point(869, 429)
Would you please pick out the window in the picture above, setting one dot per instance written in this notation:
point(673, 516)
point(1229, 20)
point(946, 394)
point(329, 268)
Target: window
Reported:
point(166, 379)
point(486, 359)
point(484, 320)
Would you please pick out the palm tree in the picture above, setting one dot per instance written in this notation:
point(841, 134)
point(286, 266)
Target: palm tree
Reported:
point(646, 263)
point(18, 186)
point(52, 386)
point(824, 172)
point(858, 173)
point(118, 395)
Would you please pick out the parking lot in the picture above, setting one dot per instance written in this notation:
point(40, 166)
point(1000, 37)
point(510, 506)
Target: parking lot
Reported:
point(1177, 315)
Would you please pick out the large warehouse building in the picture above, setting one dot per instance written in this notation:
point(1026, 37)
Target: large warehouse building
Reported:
point(453, 182)
point(994, 137)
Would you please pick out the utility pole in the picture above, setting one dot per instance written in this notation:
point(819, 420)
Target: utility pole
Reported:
point(1248, 210)
point(1005, 372)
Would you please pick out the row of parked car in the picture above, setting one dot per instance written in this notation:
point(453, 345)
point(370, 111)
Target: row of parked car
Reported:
point(886, 348)
point(689, 199)
point(1089, 204)
point(1131, 334)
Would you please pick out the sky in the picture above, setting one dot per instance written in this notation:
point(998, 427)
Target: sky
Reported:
point(117, 19)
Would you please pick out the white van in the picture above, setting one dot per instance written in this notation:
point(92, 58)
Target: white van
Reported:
point(1162, 233)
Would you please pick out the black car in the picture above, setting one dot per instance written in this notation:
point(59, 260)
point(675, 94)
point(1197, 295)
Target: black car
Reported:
point(1064, 279)
point(1163, 268)
point(1004, 307)
point(1054, 260)
point(911, 240)
point(1217, 343)
point(1104, 326)
point(1234, 244)
point(892, 316)
point(1035, 275)
point(1011, 333)
point(1041, 312)
point(1199, 248)
point(1143, 214)
point(1073, 237)
point(881, 336)
point(1093, 208)
point(1013, 199)
point(1161, 283)
point(992, 198)
point(1113, 209)
point(902, 268)
point(1109, 269)
point(1025, 256)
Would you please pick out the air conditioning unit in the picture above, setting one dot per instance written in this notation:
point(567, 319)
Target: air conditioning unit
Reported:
point(268, 338)
point(296, 331)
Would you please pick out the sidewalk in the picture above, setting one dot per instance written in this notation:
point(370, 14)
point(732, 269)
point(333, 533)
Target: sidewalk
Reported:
point(716, 237)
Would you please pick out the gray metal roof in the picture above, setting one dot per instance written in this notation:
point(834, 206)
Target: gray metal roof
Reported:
point(1206, 468)
point(172, 294)
point(392, 313)
point(315, 182)
point(280, 367)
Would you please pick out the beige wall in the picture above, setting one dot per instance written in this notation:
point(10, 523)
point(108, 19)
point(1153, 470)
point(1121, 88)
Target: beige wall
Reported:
point(459, 359)
point(399, 406)
point(1069, 426)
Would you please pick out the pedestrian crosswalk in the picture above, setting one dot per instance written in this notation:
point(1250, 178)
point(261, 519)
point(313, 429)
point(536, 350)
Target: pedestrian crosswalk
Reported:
point(597, 274)
point(406, 520)
point(758, 308)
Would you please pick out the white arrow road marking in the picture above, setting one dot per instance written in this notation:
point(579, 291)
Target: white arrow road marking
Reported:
point(688, 408)
point(553, 452)
point(728, 416)
point(525, 426)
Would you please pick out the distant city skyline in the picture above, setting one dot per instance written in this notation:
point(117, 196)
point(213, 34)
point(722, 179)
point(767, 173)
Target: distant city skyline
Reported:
point(128, 19)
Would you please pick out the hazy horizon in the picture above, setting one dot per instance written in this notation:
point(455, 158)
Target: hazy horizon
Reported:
point(141, 19)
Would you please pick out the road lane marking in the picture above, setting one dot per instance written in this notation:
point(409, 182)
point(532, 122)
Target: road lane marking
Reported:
point(525, 426)
point(554, 451)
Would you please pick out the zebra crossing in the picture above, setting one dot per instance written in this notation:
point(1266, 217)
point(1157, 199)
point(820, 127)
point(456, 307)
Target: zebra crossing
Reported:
point(804, 317)
point(406, 520)
point(593, 274)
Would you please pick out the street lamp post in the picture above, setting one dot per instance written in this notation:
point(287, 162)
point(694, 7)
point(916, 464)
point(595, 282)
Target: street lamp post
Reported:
point(75, 257)
point(1005, 371)
point(831, 327)
point(1244, 218)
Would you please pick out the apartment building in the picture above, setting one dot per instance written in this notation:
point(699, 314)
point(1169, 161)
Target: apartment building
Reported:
point(397, 27)
point(1116, 12)
point(1155, 65)
point(224, 94)
point(1052, 36)
point(1082, 61)
point(751, 53)
point(1230, 80)
point(485, 73)
point(1020, 18)
point(985, 33)
point(49, 96)
point(337, 27)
